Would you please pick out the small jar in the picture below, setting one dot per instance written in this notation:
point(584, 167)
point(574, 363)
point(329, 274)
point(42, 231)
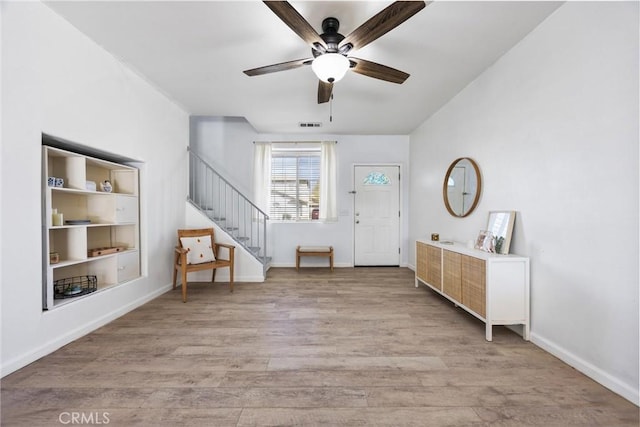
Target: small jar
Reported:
point(54, 258)
point(106, 186)
point(435, 237)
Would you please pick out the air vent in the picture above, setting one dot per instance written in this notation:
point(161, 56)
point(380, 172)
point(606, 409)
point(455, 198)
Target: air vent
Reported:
point(310, 124)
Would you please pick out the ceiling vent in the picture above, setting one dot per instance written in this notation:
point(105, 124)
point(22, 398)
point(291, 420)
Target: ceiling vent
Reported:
point(310, 124)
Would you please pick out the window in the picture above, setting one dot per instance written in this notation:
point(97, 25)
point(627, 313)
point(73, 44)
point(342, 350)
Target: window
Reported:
point(295, 184)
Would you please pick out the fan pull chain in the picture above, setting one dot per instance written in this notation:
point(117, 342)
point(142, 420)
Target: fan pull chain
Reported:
point(331, 109)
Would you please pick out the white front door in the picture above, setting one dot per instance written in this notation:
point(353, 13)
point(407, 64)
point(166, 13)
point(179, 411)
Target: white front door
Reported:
point(377, 215)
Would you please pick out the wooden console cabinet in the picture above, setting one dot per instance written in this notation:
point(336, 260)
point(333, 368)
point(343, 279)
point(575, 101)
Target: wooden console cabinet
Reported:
point(492, 287)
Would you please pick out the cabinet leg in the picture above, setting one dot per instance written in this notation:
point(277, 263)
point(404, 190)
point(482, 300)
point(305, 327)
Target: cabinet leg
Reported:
point(416, 280)
point(525, 331)
point(488, 332)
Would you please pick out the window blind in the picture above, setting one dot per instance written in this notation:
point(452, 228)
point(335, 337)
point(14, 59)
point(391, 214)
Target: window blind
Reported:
point(295, 185)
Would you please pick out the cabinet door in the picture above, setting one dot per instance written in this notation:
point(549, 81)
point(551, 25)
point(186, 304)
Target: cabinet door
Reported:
point(421, 261)
point(452, 275)
point(474, 284)
point(126, 209)
point(434, 267)
point(128, 266)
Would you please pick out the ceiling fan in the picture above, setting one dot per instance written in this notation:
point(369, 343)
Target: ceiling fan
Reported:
point(330, 49)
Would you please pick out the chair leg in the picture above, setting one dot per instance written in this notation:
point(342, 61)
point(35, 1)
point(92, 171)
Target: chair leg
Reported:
point(175, 276)
point(231, 278)
point(184, 285)
point(213, 276)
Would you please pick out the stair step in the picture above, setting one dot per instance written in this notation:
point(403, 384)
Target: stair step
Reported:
point(231, 228)
point(243, 238)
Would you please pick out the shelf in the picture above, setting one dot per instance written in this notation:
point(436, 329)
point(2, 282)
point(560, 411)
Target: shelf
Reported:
point(70, 262)
point(91, 192)
point(67, 262)
point(102, 224)
point(60, 302)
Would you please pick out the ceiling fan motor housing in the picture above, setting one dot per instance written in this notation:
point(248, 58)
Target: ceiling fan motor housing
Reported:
point(330, 35)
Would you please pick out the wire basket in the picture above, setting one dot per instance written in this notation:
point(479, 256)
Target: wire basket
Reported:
point(71, 287)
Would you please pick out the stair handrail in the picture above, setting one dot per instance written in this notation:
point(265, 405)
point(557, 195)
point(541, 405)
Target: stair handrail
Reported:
point(194, 154)
point(256, 215)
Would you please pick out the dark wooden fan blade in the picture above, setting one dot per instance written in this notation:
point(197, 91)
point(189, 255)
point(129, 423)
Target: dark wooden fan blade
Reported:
point(324, 91)
point(385, 21)
point(378, 71)
point(295, 21)
point(278, 67)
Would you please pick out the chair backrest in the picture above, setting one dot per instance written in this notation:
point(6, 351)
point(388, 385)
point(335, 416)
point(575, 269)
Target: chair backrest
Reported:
point(195, 233)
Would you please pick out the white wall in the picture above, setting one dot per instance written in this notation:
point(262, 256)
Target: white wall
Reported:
point(553, 126)
point(228, 143)
point(57, 81)
point(350, 150)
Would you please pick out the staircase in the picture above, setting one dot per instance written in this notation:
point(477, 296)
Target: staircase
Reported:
point(223, 204)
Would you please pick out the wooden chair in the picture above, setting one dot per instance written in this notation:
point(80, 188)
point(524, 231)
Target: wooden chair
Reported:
point(181, 259)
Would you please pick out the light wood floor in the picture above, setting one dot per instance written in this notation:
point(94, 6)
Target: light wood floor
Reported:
point(357, 347)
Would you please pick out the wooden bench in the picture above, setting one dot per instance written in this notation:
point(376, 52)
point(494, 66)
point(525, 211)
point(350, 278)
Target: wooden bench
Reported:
point(326, 251)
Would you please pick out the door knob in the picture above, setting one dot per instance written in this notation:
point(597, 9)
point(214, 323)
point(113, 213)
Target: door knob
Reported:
point(358, 222)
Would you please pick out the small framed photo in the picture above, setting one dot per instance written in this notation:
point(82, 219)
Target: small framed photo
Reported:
point(485, 241)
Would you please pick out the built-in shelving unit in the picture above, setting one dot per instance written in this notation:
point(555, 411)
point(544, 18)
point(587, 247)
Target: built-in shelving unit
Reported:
point(98, 234)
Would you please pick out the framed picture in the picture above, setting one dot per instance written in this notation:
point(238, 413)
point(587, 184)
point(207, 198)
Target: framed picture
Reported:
point(485, 241)
point(500, 225)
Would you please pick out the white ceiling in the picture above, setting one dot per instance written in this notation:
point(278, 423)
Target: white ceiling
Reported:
point(195, 53)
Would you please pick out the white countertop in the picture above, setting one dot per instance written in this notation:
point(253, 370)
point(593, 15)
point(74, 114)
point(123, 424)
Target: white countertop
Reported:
point(462, 248)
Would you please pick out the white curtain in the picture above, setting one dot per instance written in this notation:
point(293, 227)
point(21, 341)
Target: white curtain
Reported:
point(328, 168)
point(262, 175)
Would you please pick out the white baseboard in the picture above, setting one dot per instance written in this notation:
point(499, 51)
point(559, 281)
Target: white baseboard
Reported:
point(335, 265)
point(53, 345)
point(612, 383)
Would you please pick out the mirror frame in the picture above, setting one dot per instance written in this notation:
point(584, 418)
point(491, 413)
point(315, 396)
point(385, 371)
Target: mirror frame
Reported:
point(445, 194)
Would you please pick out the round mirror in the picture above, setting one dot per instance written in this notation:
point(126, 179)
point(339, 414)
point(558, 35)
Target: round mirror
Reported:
point(461, 188)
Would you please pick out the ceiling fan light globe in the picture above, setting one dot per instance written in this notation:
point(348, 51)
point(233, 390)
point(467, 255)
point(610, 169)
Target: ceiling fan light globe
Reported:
point(330, 67)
